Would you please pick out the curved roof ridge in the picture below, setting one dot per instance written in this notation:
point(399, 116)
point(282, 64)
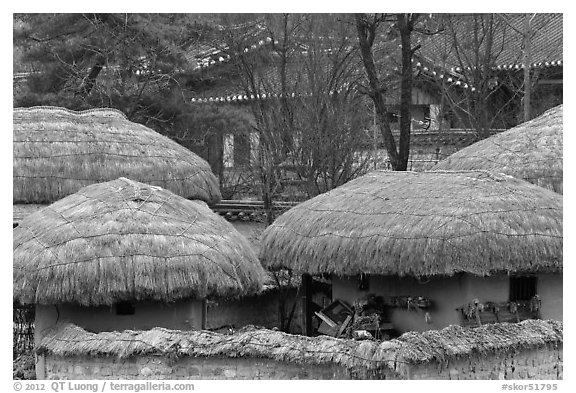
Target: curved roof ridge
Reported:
point(55, 109)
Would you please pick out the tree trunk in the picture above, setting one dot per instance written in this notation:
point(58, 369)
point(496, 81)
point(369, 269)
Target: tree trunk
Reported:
point(292, 310)
point(307, 305)
point(405, 26)
point(483, 116)
point(527, 59)
point(90, 80)
point(366, 32)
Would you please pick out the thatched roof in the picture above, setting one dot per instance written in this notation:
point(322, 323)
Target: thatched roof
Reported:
point(531, 151)
point(58, 151)
point(124, 240)
point(19, 212)
point(410, 348)
point(420, 224)
point(247, 216)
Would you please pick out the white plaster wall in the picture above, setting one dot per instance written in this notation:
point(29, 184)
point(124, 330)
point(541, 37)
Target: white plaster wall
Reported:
point(550, 290)
point(447, 294)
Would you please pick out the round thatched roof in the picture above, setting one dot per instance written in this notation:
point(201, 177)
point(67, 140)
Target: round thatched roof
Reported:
point(124, 240)
point(58, 151)
point(531, 151)
point(419, 224)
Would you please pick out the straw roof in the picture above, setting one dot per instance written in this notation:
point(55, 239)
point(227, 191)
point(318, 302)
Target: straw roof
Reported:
point(22, 210)
point(420, 224)
point(124, 240)
point(531, 151)
point(58, 151)
point(410, 348)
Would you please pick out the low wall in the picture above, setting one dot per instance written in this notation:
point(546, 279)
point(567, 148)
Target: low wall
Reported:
point(161, 367)
point(531, 349)
point(530, 363)
point(542, 363)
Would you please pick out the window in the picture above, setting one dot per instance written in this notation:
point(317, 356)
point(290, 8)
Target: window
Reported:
point(125, 308)
point(522, 288)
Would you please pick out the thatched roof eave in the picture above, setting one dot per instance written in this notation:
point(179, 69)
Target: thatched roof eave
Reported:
point(127, 241)
point(421, 224)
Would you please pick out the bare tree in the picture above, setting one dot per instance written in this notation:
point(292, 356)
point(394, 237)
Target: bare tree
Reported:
point(367, 27)
point(463, 59)
point(307, 114)
point(309, 120)
point(527, 33)
point(527, 60)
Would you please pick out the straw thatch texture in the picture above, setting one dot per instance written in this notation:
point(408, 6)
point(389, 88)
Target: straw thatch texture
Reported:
point(410, 348)
point(531, 151)
point(419, 224)
point(58, 151)
point(23, 210)
point(124, 240)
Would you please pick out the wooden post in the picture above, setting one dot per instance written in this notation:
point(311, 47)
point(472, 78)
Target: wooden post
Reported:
point(204, 314)
point(306, 305)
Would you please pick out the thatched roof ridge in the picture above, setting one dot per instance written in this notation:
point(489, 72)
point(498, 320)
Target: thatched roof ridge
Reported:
point(421, 224)
point(103, 112)
point(410, 348)
point(531, 151)
point(58, 151)
point(245, 211)
point(125, 240)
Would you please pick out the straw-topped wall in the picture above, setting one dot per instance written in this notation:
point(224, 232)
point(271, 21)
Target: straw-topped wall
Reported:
point(362, 359)
point(531, 151)
point(421, 224)
point(58, 151)
point(127, 241)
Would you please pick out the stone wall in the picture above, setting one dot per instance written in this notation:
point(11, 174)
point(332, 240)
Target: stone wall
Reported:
point(160, 367)
point(542, 363)
point(531, 349)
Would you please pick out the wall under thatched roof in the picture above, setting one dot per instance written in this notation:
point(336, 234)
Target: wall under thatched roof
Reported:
point(410, 348)
point(58, 151)
point(124, 240)
point(420, 224)
point(531, 151)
